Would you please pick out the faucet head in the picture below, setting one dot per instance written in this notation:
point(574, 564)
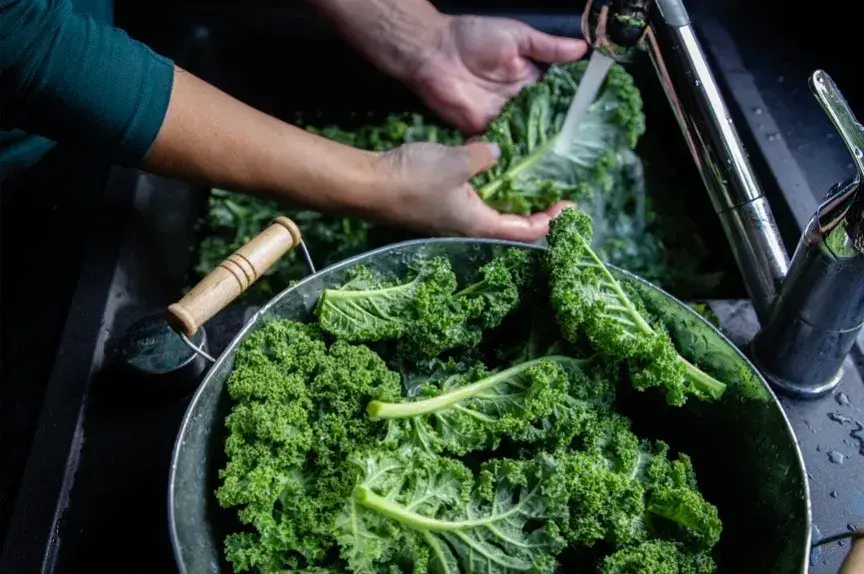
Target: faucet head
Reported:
point(843, 211)
point(615, 27)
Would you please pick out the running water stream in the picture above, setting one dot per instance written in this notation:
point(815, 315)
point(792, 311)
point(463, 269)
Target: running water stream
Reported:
point(586, 93)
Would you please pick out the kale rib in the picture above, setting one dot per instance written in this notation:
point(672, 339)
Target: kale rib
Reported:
point(378, 409)
point(540, 400)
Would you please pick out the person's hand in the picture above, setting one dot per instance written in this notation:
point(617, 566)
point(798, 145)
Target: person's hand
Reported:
point(480, 63)
point(425, 187)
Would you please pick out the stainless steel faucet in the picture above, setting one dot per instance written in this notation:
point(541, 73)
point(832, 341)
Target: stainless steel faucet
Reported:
point(820, 309)
point(810, 319)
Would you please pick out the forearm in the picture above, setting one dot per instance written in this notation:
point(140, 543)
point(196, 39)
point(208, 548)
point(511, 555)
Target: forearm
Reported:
point(211, 138)
point(395, 35)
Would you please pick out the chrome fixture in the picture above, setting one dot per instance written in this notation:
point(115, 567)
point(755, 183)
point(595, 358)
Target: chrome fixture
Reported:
point(810, 320)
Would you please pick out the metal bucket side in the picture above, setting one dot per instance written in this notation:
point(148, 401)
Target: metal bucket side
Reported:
point(767, 515)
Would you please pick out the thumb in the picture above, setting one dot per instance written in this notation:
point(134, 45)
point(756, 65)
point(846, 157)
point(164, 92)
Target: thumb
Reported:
point(479, 156)
point(551, 49)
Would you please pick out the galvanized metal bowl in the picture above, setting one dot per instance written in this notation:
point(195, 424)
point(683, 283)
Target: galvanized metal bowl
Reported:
point(743, 449)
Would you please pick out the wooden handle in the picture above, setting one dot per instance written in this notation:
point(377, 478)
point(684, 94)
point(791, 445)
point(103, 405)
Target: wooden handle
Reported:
point(233, 276)
point(854, 563)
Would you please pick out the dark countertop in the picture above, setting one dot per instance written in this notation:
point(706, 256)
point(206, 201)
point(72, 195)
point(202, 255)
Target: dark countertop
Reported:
point(116, 445)
point(830, 433)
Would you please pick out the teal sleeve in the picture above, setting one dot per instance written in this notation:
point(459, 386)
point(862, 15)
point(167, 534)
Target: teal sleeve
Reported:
point(77, 81)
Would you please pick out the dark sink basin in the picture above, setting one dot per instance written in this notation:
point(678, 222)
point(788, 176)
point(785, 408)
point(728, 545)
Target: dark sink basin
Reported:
point(271, 55)
point(256, 60)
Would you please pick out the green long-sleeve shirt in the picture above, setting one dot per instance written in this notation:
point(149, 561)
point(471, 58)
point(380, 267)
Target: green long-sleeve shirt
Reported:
point(77, 81)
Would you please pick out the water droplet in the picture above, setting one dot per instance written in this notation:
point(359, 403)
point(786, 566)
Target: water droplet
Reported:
point(772, 137)
point(841, 542)
point(851, 527)
point(833, 494)
point(850, 166)
point(697, 83)
point(842, 399)
point(800, 147)
point(818, 448)
point(840, 418)
point(858, 435)
point(781, 79)
point(836, 457)
point(816, 551)
point(758, 111)
point(829, 136)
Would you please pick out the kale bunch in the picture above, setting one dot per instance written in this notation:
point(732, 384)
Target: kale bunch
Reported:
point(418, 423)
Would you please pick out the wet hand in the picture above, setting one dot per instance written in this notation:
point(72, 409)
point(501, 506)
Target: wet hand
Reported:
point(425, 187)
point(479, 63)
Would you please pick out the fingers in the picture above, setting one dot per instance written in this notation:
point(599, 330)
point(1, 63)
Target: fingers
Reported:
point(551, 49)
point(555, 210)
point(493, 224)
point(481, 156)
point(512, 227)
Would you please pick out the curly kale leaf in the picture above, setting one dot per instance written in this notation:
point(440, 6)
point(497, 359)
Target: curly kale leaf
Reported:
point(590, 302)
point(624, 490)
point(393, 131)
point(657, 557)
point(529, 175)
point(370, 308)
point(424, 310)
point(429, 514)
point(474, 410)
point(296, 401)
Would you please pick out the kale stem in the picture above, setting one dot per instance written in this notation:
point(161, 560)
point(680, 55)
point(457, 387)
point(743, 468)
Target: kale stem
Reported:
point(381, 410)
point(702, 380)
point(487, 191)
point(368, 499)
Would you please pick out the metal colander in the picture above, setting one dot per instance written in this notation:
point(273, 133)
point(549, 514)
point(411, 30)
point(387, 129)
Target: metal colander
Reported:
point(743, 449)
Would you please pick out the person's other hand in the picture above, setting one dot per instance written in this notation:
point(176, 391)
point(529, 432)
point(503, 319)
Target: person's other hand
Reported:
point(480, 63)
point(425, 187)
